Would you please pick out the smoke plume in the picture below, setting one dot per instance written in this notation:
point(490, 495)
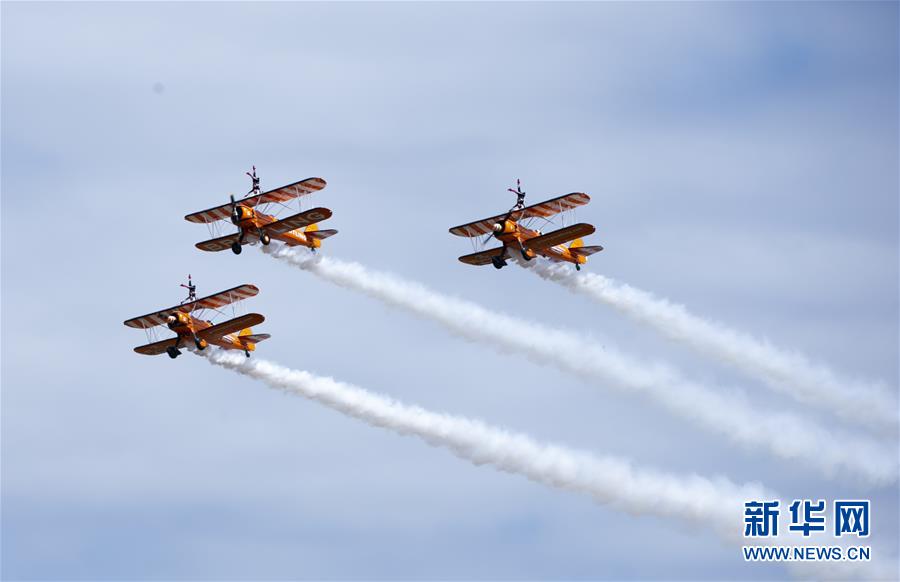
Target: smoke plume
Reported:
point(726, 412)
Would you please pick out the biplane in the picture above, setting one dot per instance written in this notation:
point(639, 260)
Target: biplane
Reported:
point(513, 230)
point(252, 217)
point(188, 321)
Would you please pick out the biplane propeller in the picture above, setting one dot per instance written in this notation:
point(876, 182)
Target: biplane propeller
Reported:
point(255, 225)
point(529, 243)
point(187, 322)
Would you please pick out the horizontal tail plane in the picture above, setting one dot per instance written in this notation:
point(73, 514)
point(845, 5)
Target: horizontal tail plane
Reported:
point(585, 251)
point(321, 234)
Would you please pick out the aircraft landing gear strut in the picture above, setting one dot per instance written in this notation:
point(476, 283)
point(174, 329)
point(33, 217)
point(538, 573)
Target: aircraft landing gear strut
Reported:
point(236, 245)
point(173, 351)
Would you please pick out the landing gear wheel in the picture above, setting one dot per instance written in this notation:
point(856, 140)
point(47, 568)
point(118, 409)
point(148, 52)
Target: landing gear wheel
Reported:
point(265, 239)
point(236, 248)
point(247, 353)
point(200, 343)
point(577, 267)
point(173, 352)
point(527, 254)
point(498, 262)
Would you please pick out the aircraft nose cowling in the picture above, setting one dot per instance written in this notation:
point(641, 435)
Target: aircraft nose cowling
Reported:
point(504, 226)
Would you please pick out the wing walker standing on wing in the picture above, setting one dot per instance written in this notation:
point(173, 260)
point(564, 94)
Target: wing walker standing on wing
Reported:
point(255, 189)
point(192, 290)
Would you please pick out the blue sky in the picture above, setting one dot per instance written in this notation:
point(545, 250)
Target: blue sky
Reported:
point(742, 160)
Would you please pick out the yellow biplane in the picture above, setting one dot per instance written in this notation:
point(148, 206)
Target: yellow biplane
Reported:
point(255, 224)
point(528, 242)
point(188, 321)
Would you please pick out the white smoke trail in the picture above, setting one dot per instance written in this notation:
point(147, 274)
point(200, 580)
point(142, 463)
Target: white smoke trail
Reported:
point(608, 480)
point(717, 503)
point(786, 435)
point(868, 403)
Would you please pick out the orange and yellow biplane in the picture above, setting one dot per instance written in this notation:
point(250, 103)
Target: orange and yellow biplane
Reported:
point(518, 237)
point(255, 225)
point(187, 320)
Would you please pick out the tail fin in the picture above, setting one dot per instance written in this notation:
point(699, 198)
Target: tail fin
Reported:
point(577, 243)
point(311, 228)
point(246, 331)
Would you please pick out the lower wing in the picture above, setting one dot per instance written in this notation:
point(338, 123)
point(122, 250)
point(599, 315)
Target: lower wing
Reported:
point(156, 348)
point(483, 257)
point(224, 242)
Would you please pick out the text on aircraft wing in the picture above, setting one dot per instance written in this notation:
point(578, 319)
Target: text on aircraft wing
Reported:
point(543, 209)
point(283, 194)
point(215, 301)
point(225, 242)
point(558, 237)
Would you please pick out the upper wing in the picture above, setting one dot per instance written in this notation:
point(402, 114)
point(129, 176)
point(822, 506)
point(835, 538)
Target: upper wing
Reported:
point(482, 258)
point(558, 237)
point(156, 348)
point(231, 326)
point(476, 228)
point(283, 194)
point(213, 214)
point(542, 209)
point(300, 220)
point(224, 298)
point(215, 301)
